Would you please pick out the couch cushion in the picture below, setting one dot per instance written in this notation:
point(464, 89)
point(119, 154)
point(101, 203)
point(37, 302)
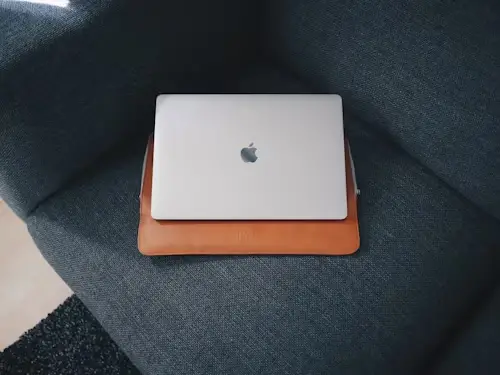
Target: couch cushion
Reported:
point(79, 78)
point(425, 72)
point(384, 310)
point(476, 348)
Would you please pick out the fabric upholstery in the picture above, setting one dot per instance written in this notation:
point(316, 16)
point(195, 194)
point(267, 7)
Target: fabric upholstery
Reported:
point(424, 72)
point(76, 82)
point(27, 27)
point(476, 347)
point(383, 311)
point(420, 83)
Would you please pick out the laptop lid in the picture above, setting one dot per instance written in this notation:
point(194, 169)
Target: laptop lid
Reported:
point(249, 157)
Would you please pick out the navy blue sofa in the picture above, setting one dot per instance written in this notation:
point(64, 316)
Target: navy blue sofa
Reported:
point(421, 87)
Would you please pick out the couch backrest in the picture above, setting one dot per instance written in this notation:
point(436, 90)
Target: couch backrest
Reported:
point(427, 73)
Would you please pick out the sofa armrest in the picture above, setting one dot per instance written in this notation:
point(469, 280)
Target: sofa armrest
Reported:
point(75, 80)
point(424, 73)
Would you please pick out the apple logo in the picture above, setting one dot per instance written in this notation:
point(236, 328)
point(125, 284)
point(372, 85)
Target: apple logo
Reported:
point(248, 154)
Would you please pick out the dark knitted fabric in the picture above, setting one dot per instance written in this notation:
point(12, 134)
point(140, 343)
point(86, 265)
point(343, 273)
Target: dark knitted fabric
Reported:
point(68, 341)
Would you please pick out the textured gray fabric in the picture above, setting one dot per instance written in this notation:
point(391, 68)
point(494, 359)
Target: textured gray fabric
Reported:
point(420, 83)
point(83, 79)
point(425, 72)
point(27, 27)
point(476, 350)
point(384, 311)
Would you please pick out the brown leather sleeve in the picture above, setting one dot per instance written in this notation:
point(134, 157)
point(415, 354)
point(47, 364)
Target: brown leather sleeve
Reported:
point(167, 237)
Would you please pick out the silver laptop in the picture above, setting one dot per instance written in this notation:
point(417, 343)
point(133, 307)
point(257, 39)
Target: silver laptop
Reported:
point(249, 157)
